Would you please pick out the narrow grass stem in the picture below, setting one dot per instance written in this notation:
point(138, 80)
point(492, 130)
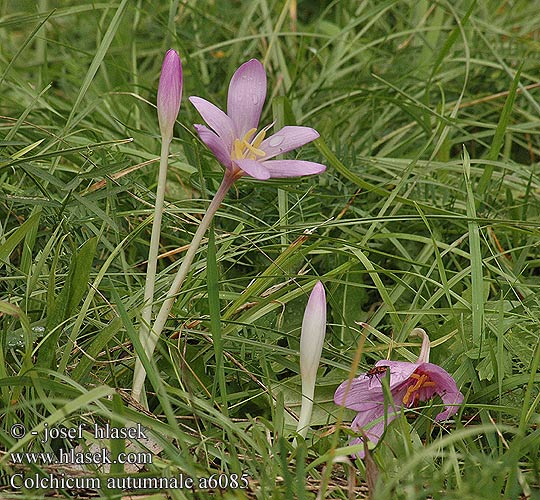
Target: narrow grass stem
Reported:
point(153, 336)
point(154, 244)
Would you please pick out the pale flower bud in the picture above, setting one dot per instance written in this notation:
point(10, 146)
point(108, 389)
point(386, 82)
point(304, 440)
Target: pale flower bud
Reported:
point(311, 344)
point(169, 93)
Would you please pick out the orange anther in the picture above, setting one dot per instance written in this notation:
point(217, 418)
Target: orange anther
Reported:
point(422, 380)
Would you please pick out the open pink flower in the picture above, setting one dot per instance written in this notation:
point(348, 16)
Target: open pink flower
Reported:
point(233, 137)
point(410, 383)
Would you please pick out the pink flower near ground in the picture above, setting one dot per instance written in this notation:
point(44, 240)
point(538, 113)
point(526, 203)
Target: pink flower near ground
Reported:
point(233, 136)
point(409, 384)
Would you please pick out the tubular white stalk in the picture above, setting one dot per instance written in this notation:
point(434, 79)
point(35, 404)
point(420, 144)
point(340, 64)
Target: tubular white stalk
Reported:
point(306, 410)
point(154, 243)
point(153, 335)
point(169, 98)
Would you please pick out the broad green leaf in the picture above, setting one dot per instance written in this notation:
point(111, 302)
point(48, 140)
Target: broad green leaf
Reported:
point(74, 289)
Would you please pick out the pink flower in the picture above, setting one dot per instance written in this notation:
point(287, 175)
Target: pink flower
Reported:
point(233, 137)
point(410, 383)
point(169, 93)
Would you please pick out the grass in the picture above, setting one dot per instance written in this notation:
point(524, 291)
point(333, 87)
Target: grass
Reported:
point(427, 216)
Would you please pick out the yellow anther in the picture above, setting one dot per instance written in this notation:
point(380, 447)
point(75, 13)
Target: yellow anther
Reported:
point(243, 148)
point(421, 381)
point(259, 138)
point(249, 133)
point(238, 150)
point(255, 152)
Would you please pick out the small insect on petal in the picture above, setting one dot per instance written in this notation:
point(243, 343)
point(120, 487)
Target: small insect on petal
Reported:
point(377, 373)
point(376, 370)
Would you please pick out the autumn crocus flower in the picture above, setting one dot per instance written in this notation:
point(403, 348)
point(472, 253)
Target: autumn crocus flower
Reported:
point(234, 137)
point(311, 344)
point(409, 384)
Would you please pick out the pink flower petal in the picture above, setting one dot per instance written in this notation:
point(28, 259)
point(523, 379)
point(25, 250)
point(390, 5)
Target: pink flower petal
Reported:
point(215, 144)
point(452, 401)
point(358, 396)
point(216, 119)
point(400, 371)
point(287, 139)
point(247, 92)
point(364, 420)
point(361, 453)
point(373, 431)
point(254, 168)
point(446, 388)
point(292, 168)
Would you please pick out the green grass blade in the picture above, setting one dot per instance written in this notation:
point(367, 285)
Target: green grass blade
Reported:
point(97, 61)
point(75, 287)
point(477, 273)
point(215, 318)
point(498, 138)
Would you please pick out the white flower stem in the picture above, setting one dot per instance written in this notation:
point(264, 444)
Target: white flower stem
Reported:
point(153, 251)
point(308, 393)
point(153, 335)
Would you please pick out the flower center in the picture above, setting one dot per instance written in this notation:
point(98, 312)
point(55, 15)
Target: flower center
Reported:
point(422, 380)
point(246, 149)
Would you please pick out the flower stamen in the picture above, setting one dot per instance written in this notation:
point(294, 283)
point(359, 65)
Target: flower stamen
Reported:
point(243, 148)
point(422, 380)
point(253, 150)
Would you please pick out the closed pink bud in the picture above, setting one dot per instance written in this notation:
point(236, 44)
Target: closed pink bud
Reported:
point(169, 93)
point(311, 344)
point(313, 330)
